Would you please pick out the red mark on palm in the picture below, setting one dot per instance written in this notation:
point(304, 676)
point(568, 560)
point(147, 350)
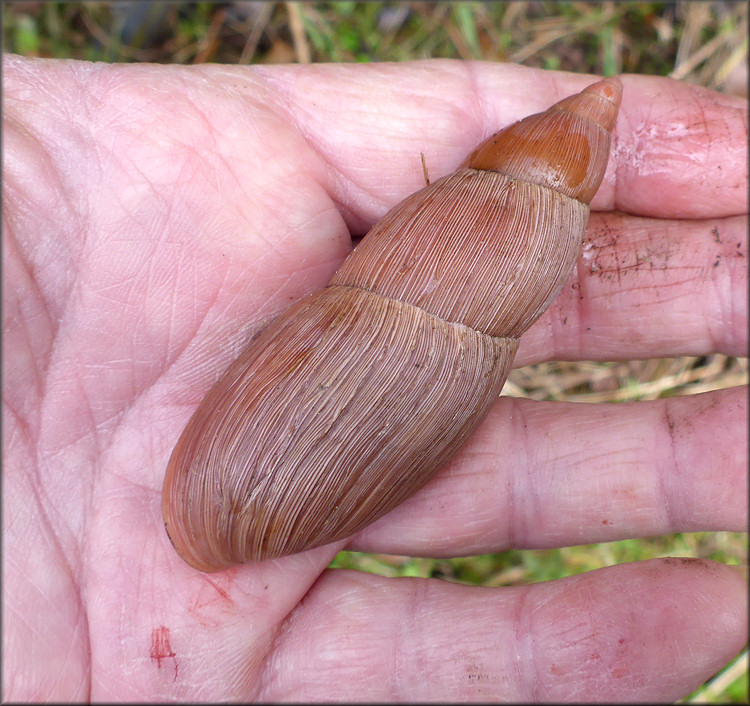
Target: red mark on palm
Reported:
point(161, 649)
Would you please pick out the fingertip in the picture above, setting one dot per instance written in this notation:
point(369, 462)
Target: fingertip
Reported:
point(660, 627)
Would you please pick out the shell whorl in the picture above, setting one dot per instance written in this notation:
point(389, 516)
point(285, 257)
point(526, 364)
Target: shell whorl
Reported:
point(520, 182)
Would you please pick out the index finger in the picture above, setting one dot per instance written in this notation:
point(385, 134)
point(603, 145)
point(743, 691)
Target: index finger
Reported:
point(679, 151)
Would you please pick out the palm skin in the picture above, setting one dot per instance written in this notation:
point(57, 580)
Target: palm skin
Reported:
point(156, 217)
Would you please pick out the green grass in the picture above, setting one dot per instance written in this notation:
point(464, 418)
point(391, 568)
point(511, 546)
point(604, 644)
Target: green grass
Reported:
point(704, 43)
point(605, 38)
point(530, 566)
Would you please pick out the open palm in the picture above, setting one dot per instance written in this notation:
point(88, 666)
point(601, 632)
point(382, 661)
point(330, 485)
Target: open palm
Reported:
point(156, 217)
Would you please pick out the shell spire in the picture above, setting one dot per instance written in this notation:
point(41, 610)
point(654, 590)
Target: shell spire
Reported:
point(565, 148)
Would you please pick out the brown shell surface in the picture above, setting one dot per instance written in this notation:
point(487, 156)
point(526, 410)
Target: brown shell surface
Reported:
point(273, 463)
point(559, 149)
point(356, 396)
point(565, 148)
point(524, 240)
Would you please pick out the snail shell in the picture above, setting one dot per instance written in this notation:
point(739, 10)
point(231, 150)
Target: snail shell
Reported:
point(354, 397)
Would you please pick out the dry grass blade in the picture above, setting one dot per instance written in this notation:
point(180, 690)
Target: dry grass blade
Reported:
point(397, 20)
point(459, 42)
point(553, 29)
point(697, 15)
point(208, 45)
point(736, 59)
point(684, 68)
point(626, 381)
point(711, 63)
point(712, 691)
point(261, 21)
point(110, 41)
point(301, 46)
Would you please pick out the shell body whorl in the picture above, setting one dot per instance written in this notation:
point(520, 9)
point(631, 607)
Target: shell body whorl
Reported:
point(352, 399)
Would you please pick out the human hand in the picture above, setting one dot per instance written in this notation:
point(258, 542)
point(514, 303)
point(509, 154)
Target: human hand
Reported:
point(156, 217)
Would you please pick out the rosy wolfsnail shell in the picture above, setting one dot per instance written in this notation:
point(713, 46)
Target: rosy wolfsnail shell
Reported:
point(353, 398)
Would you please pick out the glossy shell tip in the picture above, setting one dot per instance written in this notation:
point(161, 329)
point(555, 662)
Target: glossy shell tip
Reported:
point(603, 109)
point(609, 88)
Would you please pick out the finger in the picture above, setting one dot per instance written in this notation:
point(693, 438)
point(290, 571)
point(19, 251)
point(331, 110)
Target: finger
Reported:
point(679, 150)
point(636, 632)
point(648, 288)
point(548, 474)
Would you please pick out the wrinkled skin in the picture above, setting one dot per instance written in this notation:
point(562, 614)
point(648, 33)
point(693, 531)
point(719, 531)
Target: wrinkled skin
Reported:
point(155, 217)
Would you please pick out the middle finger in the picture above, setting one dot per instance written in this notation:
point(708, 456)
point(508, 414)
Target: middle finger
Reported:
point(646, 287)
point(548, 474)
